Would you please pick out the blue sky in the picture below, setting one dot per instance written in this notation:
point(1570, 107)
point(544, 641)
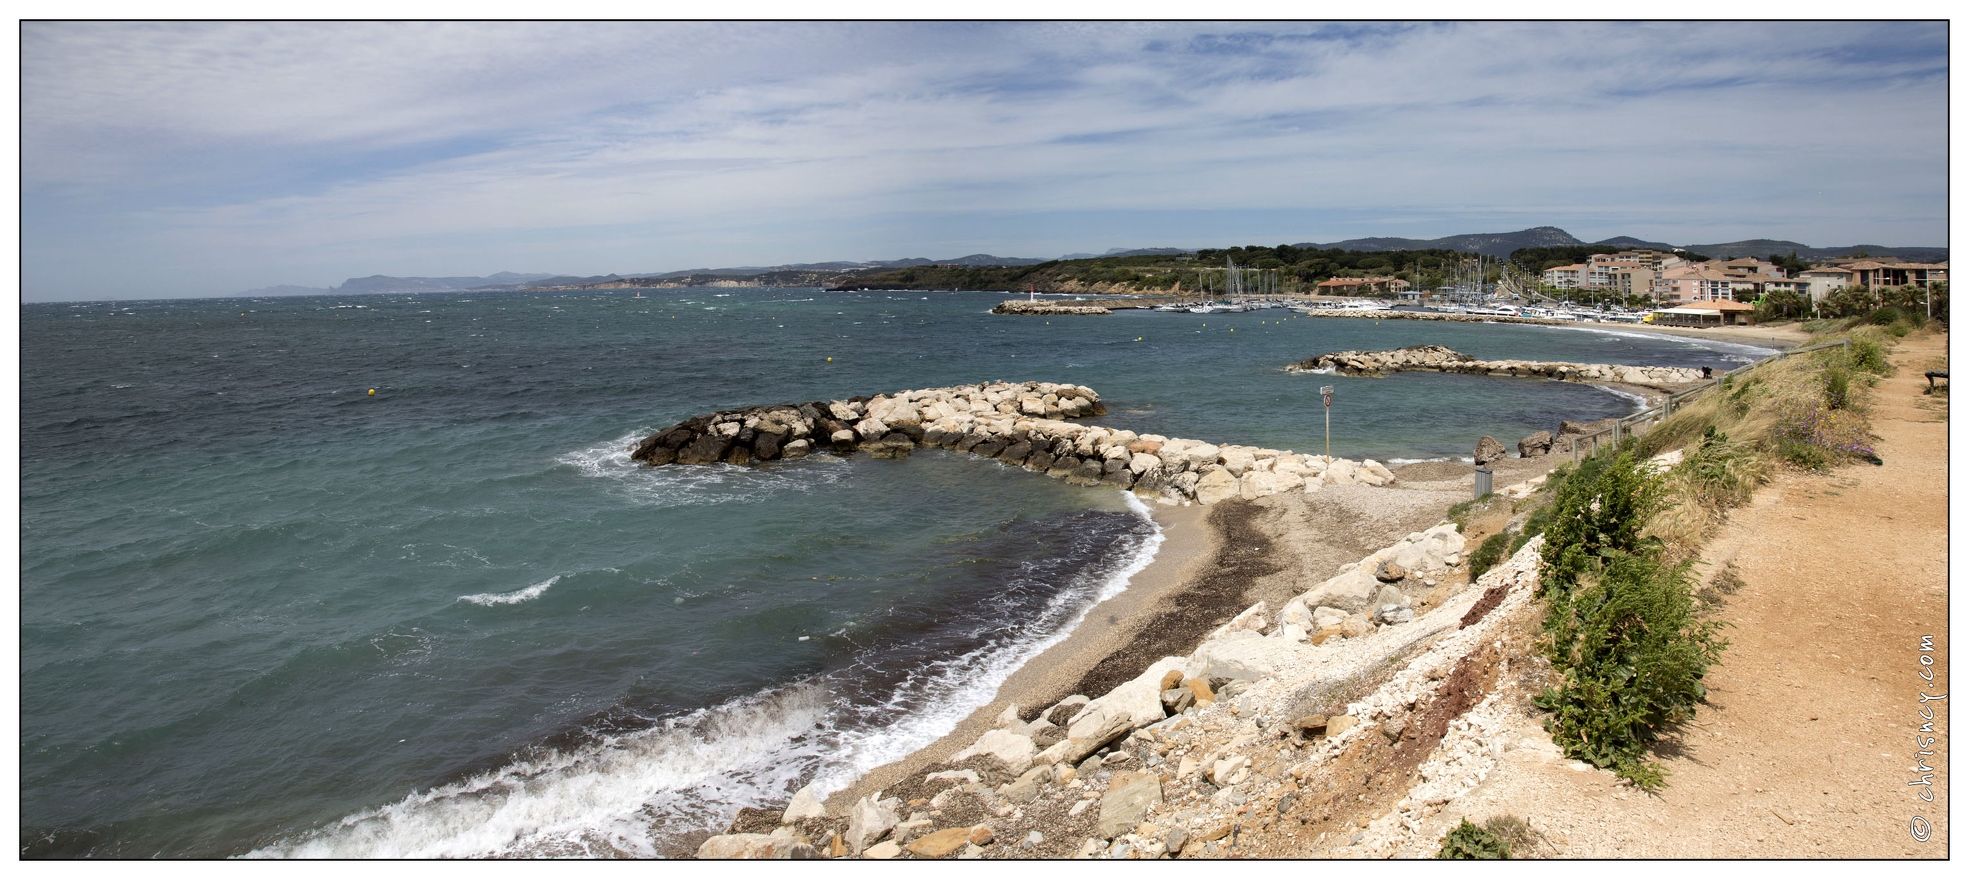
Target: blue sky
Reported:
point(204, 159)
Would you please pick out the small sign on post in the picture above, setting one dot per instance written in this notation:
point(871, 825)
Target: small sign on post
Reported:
point(1326, 397)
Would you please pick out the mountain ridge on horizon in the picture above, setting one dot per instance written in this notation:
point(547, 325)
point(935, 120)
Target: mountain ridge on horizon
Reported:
point(1496, 244)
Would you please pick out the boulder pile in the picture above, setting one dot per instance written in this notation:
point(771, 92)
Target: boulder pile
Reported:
point(1441, 359)
point(1020, 424)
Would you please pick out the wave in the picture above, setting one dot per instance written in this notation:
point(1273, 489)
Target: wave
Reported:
point(698, 484)
point(513, 598)
point(649, 792)
point(1640, 402)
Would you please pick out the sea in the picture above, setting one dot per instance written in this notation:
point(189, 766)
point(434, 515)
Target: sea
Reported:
point(266, 612)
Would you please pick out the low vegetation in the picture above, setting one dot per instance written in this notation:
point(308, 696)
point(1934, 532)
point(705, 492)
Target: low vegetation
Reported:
point(1467, 841)
point(1625, 627)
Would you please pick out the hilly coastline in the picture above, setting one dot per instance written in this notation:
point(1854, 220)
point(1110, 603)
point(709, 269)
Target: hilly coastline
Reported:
point(1120, 270)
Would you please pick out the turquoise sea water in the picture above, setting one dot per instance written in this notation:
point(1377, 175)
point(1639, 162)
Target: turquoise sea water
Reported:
point(264, 612)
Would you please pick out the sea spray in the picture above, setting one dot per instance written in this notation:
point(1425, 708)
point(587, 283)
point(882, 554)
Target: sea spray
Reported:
point(513, 598)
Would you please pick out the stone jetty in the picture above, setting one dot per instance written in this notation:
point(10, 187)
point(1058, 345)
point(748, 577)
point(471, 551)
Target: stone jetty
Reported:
point(1022, 424)
point(1441, 359)
point(1031, 307)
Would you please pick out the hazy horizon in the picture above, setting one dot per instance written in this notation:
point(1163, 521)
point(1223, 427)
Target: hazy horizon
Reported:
point(205, 159)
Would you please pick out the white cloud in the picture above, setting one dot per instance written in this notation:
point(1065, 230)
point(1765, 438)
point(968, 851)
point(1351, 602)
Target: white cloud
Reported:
point(262, 141)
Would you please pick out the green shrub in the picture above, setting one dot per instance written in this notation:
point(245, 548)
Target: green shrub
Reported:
point(1467, 841)
point(1623, 637)
point(1900, 329)
point(1868, 356)
point(1632, 654)
point(1598, 514)
point(1489, 554)
point(1884, 316)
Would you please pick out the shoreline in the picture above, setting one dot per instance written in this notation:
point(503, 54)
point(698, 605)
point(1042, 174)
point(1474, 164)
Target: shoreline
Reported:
point(1188, 545)
point(1214, 562)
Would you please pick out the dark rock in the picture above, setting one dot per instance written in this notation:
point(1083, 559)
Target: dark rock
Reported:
point(989, 448)
point(1124, 478)
point(968, 442)
point(1040, 461)
point(1389, 572)
point(739, 454)
point(1539, 443)
point(704, 449)
point(657, 455)
point(1088, 473)
point(765, 447)
point(913, 430)
point(933, 437)
point(1016, 453)
point(1488, 450)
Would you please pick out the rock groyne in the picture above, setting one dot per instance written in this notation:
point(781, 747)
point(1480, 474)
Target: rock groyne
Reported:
point(1441, 359)
point(1020, 424)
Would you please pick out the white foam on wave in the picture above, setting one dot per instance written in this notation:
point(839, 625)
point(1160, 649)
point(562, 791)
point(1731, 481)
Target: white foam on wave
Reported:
point(513, 598)
point(626, 794)
point(1418, 460)
point(697, 484)
point(1640, 402)
point(598, 799)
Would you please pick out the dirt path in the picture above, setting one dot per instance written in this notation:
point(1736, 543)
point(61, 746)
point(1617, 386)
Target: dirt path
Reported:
point(1807, 745)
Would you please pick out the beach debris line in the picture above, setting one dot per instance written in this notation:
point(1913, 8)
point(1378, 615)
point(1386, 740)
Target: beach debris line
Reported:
point(1021, 424)
point(1442, 359)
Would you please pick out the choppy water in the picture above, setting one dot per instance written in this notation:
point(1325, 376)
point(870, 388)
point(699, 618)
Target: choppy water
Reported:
point(264, 612)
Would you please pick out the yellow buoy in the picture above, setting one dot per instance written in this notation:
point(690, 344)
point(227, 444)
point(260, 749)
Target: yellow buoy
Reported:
point(830, 360)
point(372, 392)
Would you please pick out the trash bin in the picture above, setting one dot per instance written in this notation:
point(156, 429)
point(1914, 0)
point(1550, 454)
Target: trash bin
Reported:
point(1483, 482)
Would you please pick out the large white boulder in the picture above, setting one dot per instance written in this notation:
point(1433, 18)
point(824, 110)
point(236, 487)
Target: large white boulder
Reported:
point(806, 804)
point(1132, 704)
point(1014, 750)
point(1247, 655)
point(1216, 484)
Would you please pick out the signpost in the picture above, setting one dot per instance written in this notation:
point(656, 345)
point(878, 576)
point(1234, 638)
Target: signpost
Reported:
point(1326, 396)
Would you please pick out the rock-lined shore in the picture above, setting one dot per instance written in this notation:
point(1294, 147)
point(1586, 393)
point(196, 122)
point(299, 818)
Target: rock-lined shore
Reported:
point(1261, 726)
point(1017, 423)
point(1029, 307)
point(1441, 359)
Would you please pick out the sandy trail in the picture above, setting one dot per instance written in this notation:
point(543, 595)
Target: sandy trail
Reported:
point(1807, 745)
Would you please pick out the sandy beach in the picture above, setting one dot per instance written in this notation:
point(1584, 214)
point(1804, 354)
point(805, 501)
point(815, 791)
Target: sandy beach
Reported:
point(1214, 562)
point(1785, 335)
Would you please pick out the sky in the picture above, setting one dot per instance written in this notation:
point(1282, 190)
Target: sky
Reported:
point(204, 159)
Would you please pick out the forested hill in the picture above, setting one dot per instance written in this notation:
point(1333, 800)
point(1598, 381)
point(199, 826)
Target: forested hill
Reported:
point(1296, 269)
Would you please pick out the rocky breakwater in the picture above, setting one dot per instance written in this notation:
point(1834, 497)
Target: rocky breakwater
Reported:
point(1441, 359)
point(1030, 307)
point(1021, 424)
